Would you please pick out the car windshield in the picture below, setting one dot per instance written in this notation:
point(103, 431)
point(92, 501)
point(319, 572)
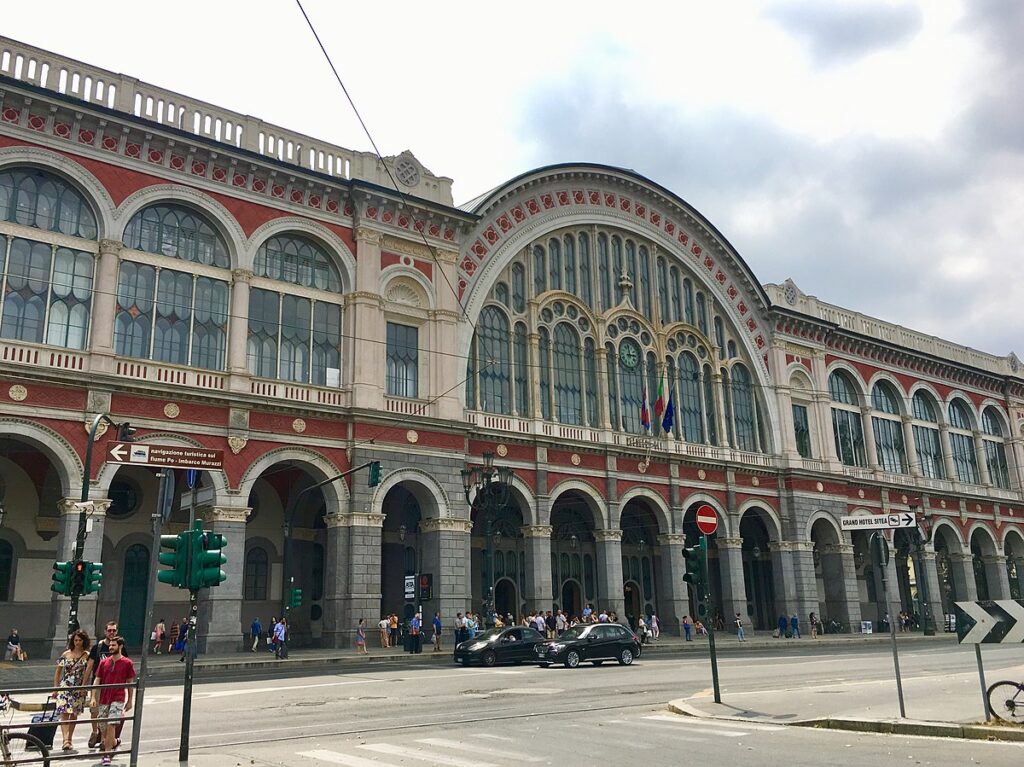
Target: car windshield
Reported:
point(574, 633)
point(486, 636)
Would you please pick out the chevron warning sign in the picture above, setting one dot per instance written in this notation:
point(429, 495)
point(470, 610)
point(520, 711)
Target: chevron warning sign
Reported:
point(990, 622)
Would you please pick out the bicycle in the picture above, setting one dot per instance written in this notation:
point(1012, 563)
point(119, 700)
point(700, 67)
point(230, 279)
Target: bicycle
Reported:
point(1006, 701)
point(20, 747)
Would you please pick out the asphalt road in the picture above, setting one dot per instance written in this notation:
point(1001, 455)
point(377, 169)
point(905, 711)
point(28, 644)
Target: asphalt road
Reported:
point(448, 715)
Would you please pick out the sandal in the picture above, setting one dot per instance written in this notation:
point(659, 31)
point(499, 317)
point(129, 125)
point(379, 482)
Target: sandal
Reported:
point(68, 748)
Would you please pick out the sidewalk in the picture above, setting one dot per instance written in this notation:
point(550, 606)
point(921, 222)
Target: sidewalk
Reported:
point(167, 668)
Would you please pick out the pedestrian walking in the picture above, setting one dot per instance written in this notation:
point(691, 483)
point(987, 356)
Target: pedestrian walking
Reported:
point(97, 653)
point(157, 636)
point(73, 667)
point(361, 638)
point(740, 635)
point(655, 626)
point(182, 641)
point(382, 627)
point(437, 631)
point(393, 629)
point(794, 626)
point(113, 702)
point(256, 632)
point(172, 637)
point(687, 628)
point(271, 641)
point(415, 627)
point(783, 623)
point(813, 620)
point(280, 648)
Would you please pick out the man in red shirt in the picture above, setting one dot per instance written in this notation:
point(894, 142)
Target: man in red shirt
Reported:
point(114, 702)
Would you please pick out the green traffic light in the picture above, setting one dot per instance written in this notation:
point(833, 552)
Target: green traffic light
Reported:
point(295, 598)
point(206, 559)
point(61, 578)
point(93, 577)
point(175, 558)
point(374, 478)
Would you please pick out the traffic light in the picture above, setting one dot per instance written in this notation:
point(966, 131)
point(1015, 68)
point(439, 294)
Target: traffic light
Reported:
point(206, 558)
point(61, 578)
point(77, 578)
point(93, 577)
point(697, 576)
point(426, 586)
point(294, 598)
point(374, 478)
point(125, 432)
point(176, 559)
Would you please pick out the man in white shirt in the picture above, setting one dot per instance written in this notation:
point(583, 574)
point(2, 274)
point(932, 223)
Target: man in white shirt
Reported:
point(383, 626)
point(539, 624)
point(559, 622)
point(603, 617)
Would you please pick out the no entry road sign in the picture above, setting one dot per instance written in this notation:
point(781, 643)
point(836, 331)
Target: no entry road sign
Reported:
point(165, 456)
point(878, 521)
point(707, 520)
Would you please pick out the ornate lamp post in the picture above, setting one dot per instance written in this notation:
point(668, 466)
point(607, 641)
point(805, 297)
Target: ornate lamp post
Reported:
point(922, 577)
point(488, 489)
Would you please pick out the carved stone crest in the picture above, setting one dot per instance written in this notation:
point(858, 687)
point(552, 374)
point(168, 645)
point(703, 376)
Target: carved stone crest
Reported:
point(237, 444)
point(18, 393)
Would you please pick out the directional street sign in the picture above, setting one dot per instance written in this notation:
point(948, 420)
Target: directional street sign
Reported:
point(165, 456)
point(990, 622)
point(707, 520)
point(878, 521)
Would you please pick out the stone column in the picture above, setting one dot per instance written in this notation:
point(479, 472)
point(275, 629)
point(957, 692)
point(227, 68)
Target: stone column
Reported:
point(910, 446)
point(1019, 561)
point(220, 608)
point(734, 590)
point(604, 416)
point(979, 456)
point(364, 320)
point(893, 604)
point(869, 438)
point(805, 582)
point(961, 566)
point(609, 572)
point(67, 536)
point(101, 329)
point(537, 540)
point(930, 573)
point(724, 415)
point(781, 554)
point(238, 330)
point(842, 597)
point(674, 595)
point(446, 543)
point(997, 577)
point(336, 626)
point(947, 453)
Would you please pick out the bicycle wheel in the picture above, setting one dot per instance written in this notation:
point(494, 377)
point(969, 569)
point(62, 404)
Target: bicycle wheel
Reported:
point(26, 749)
point(1006, 701)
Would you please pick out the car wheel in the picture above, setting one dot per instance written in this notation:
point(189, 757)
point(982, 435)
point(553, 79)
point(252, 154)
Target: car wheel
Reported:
point(572, 660)
point(489, 658)
point(625, 657)
point(598, 662)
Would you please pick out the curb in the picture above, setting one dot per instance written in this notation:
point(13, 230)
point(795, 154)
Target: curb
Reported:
point(1007, 733)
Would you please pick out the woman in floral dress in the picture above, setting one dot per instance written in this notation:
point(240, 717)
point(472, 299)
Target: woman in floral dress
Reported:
point(73, 668)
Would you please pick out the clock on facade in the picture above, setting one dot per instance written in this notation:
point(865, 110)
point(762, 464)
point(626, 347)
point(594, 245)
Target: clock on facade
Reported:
point(629, 354)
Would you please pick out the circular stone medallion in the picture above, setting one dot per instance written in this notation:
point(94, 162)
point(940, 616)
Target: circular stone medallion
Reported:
point(171, 410)
point(299, 425)
point(412, 436)
point(18, 393)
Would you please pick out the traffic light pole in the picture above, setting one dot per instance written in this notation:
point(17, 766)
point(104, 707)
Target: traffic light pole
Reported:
point(710, 626)
point(190, 659)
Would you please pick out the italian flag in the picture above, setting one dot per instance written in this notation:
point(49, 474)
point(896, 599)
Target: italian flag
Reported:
point(659, 404)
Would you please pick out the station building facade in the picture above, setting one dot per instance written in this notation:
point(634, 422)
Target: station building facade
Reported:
point(225, 283)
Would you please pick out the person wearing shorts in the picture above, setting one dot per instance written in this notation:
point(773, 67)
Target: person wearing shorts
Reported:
point(113, 702)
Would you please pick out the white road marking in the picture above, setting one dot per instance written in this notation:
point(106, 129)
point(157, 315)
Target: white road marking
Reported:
point(528, 691)
point(335, 757)
point(411, 753)
point(685, 721)
point(482, 750)
point(493, 737)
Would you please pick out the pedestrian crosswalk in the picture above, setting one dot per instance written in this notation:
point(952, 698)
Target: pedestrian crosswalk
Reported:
point(488, 749)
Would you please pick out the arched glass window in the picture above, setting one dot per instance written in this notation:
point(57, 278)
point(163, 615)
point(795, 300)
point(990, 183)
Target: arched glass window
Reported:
point(846, 420)
point(710, 409)
point(540, 270)
point(6, 568)
point(518, 288)
point(544, 345)
point(613, 386)
point(590, 368)
point(500, 294)
point(689, 410)
point(495, 376)
point(633, 273)
point(298, 260)
point(688, 301)
point(585, 291)
point(719, 336)
point(568, 387)
point(743, 409)
point(632, 383)
point(42, 200)
point(995, 448)
point(173, 230)
point(522, 372)
point(927, 444)
point(499, 564)
point(702, 313)
point(604, 272)
point(677, 310)
point(570, 264)
point(645, 282)
point(663, 290)
point(256, 572)
point(888, 429)
point(961, 443)
point(554, 264)
point(617, 269)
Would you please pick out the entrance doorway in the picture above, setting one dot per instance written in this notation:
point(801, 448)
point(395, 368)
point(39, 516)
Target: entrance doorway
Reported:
point(505, 602)
point(572, 603)
point(132, 616)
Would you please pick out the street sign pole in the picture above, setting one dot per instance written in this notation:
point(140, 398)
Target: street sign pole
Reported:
point(880, 553)
point(190, 657)
point(710, 626)
point(984, 687)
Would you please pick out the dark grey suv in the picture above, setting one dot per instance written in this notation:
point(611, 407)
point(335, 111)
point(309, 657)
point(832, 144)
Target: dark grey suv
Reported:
point(595, 642)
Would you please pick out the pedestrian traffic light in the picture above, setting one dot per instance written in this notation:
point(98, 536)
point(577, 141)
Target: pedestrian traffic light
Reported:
point(61, 578)
point(697, 575)
point(294, 598)
point(125, 432)
point(93, 577)
point(77, 578)
point(374, 478)
point(426, 586)
point(206, 558)
point(176, 560)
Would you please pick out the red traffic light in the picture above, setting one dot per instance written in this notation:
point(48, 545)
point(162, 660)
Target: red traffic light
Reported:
point(79, 567)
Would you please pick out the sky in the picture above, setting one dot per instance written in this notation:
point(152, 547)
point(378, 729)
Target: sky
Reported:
point(871, 150)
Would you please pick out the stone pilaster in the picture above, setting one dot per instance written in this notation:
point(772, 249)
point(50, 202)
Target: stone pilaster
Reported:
point(220, 608)
point(674, 601)
point(802, 556)
point(842, 598)
point(929, 573)
point(979, 451)
point(997, 577)
point(910, 446)
point(783, 574)
point(609, 572)
point(238, 330)
point(537, 540)
point(734, 590)
point(101, 329)
point(336, 623)
point(446, 544)
point(961, 566)
point(869, 438)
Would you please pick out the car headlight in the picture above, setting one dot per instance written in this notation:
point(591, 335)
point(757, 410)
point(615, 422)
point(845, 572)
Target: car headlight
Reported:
point(477, 646)
point(558, 647)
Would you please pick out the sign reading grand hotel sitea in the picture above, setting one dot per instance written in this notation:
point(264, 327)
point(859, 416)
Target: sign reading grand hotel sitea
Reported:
point(165, 456)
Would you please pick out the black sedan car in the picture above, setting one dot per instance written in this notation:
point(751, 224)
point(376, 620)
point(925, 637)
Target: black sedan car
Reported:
point(595, 642)
point(512, 645)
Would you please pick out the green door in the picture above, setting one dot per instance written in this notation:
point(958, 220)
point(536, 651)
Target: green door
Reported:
point(133, 595)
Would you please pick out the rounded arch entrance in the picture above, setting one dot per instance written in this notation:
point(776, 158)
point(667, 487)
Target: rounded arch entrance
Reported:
point(948, 550)
point(1013, 548)
point(691, 538)
point(574, 582)
point(984, 563)
point(498, 567)
point(830, 570)
point(641, 522)
point(758, 530)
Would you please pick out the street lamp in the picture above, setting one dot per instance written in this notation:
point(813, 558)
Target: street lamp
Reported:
point(488, 490)
point(927, 625)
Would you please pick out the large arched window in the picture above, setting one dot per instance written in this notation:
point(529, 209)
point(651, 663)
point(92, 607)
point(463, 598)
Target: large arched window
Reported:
point(689, 407)
point(166, 313)
point(744, 409)
point(45, 289)
point(42, 200)
point(256, 572)
point(173, 230)
point(522, 377)
point(995, 448)
point(297, 260)
point(888, 429)
point(846, 420)
point(295, 337)
point(927, 443)
point(567, 376)
point(961, 443)
point(493, 356)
